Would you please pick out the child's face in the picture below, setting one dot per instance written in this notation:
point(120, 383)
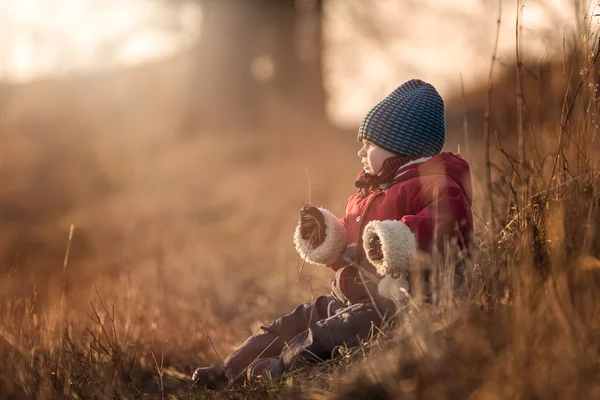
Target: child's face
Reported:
point(373, 156)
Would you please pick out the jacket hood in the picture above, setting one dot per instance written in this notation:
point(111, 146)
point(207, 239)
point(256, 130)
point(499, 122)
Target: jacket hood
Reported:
point(446, 164)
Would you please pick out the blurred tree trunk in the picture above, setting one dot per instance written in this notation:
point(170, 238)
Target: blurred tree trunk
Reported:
point(223, 92)
point(258, 65)
point(297, 55)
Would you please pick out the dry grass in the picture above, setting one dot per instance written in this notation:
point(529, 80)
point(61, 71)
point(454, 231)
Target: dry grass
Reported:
point(171, 231)
point(177, 237)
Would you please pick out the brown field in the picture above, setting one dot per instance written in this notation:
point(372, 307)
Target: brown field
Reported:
point(179, 236)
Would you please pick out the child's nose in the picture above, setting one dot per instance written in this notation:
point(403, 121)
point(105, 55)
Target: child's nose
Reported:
point(361, 153)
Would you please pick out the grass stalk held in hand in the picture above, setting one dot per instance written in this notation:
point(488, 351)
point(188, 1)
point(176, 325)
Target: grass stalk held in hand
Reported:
point(310, 240)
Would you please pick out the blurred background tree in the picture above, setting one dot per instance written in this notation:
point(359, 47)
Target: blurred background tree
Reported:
point(260, 60)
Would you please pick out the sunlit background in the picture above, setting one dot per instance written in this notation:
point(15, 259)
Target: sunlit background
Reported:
point(370, 46)
point(180, 138)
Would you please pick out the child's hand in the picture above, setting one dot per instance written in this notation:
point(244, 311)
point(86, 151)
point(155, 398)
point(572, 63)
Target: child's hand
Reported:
point(312, 224)
point(375, 250)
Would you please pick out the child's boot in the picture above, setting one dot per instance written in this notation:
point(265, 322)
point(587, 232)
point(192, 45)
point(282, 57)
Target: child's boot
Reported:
point(265, 368)
point(209, 377)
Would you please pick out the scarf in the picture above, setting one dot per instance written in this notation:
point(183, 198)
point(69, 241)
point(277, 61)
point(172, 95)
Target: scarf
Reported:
point(367, 182)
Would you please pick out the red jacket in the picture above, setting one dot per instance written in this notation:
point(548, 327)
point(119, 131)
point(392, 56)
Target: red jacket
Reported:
point(428, 203)
point(436, 190)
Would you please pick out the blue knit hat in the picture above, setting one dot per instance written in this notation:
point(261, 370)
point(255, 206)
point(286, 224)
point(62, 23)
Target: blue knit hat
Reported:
point(408, 122)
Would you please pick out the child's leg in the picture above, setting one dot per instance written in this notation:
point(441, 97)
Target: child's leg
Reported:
point(271, 339)
point(319, 341)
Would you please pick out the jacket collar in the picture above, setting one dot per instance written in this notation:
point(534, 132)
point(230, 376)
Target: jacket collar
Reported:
point(400, 171)
point(389, 172)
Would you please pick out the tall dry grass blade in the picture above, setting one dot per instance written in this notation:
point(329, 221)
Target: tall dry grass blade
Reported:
point(210, 341)
point(62, 322)
point(110, 317)
point(64, 275)
point(14, 266)
point(309, 187)
point(465, 119)
point(97, 342)
point(371, 298)
point(521, 143)
point(159, 369)
point(103, 329)
point(312, 294)
point(568, 109)
point(486, 132)
point(9, 339)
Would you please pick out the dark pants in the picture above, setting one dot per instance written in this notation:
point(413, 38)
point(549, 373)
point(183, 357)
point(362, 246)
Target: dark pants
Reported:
point(308, 334)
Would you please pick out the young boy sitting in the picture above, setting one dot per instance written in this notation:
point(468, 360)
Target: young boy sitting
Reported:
point(411, 198)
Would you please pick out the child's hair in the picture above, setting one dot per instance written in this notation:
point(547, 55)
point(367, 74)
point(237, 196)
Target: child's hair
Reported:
point(408, 122)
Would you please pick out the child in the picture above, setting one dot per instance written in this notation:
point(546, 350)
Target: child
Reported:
point(411, 198)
